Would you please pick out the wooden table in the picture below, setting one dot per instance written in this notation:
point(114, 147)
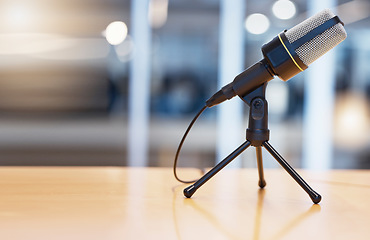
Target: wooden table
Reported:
point(147, 203)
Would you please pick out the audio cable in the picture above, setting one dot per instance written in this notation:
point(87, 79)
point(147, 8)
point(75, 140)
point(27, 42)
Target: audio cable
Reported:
point(180, 146)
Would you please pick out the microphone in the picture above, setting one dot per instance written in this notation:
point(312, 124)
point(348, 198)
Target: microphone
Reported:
point(288, 54)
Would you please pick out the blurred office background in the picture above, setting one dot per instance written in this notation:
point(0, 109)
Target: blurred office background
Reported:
point(74, 91)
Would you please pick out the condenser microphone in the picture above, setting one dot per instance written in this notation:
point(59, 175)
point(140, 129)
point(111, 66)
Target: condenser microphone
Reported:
point(288, 54)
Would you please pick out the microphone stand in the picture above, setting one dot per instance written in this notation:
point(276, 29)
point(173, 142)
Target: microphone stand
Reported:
point(257, 136)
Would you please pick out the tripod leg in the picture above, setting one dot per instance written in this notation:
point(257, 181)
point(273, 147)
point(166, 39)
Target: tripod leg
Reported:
point(261, 182)
point(189, 191)
point(316, 198)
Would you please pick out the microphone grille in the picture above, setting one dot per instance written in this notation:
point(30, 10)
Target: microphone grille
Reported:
point(310, 51)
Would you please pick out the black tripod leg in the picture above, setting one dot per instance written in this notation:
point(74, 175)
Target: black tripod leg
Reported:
point(261, 182)
point(316, 198)
point(189, 191)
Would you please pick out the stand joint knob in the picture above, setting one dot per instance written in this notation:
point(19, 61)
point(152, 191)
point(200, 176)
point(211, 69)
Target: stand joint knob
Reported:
point(257, 110)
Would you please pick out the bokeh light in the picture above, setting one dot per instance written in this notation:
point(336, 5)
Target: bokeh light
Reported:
point(125, 50)
point(352, 121)
point(116, 32)
point(284, 9)
point(257, 23)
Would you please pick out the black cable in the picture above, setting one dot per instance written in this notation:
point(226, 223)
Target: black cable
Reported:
point(180, 146)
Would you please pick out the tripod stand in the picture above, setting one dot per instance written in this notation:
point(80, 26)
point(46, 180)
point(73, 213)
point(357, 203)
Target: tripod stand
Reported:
point(257, 136)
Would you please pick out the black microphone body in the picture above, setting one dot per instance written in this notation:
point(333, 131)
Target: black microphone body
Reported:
point(287, 55)
point(245, 82)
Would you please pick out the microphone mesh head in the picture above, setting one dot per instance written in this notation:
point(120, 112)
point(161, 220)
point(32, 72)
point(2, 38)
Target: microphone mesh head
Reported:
point(322, 43)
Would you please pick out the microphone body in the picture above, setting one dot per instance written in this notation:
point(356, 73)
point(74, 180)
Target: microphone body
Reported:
point(287, 55)
point(245, 82)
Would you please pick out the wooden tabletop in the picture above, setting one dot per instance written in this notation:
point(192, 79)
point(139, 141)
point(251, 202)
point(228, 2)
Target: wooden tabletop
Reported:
point(147, 203)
